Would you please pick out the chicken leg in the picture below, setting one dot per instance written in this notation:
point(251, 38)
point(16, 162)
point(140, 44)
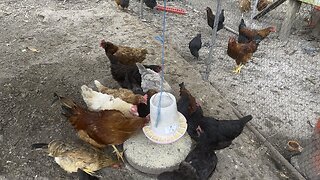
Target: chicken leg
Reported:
point(238, 68)
point(118, 153)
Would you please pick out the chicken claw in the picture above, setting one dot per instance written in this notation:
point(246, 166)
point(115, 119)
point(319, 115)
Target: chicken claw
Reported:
point(118, 153)
point(238, 69)
point(88, 171)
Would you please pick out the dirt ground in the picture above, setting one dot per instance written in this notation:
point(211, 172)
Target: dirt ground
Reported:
point(280, 88)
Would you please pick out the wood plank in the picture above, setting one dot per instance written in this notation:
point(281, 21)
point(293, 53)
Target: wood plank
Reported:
point(293, 8)
point(269, 8)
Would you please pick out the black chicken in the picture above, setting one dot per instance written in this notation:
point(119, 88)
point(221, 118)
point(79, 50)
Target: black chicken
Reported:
point(128, 76)
point(242, 38)
point(210, 19)
point(185, 172)
point(203, 159)
point(187, 106)
point(151, 3)
point(218, 134)
point(123, 3)
point(195, 45)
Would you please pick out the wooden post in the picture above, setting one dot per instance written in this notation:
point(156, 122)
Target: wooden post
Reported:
point(293, 8)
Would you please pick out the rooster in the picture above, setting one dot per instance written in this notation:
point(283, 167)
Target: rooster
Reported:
point(124, 94)
point(125, 55)
point(102, 128)
point(97, 101)
point(72, 157)
point(241, 52)
point(247, 35)
point(152, 80)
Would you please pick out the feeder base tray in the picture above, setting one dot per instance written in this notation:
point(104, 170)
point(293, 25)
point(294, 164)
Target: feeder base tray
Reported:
point(151, 158)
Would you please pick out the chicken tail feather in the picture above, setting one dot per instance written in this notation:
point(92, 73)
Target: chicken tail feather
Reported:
point(39, 146)
point(140, 67)
point(246, 119)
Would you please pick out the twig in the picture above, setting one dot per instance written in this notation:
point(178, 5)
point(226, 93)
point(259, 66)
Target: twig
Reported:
point(231, 30)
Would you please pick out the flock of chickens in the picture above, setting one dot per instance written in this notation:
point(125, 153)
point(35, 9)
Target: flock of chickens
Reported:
point(113, 115)
point(241, 49)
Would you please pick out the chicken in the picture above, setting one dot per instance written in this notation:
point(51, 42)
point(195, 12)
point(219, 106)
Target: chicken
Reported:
point(144, 109)
point(97, 101)
point(245, 6)
point(123, 3)
point(71, 157)
point(211, 17)
point(246, 34)
point(106, 127)
point(187, 105)
point(185, 172)
point(198, 165)
point(128, 76)
point(152, 80)
point(262, 4)
point(242, 53)
point(203, 160)
point(195, 45)
point(84, 176)
point(150, 3)
point(125, 55)
point(124, 94)
point(219, 134)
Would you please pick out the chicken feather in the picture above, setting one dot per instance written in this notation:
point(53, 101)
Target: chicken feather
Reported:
point(125, 94)
point(151, 80)
point(97, 101)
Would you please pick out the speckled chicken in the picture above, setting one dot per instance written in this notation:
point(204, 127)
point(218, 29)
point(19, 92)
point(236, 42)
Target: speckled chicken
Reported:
point(125, 55)
point(125, 94)
point(71, 157)
point(152, 80)
point(97, 101)
point(102, 128)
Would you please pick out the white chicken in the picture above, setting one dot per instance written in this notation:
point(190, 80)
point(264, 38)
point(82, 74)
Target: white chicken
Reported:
point(97, 101)
point(151, 80)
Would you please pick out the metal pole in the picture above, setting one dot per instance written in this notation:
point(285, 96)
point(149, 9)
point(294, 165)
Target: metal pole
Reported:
point(141, 9)
point(213, 41)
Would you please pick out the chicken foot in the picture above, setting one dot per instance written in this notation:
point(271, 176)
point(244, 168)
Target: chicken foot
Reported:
point(118, 153)
point(238, 68)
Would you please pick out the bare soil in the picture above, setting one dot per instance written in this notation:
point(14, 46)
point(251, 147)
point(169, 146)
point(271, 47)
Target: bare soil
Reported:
point(280, 88)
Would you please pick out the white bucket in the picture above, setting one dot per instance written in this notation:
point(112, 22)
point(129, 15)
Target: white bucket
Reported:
point(167, 122)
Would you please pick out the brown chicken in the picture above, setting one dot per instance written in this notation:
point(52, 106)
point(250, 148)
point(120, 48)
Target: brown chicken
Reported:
point(241, 52)
point(122, 93)
point(122, 3)
point(246, 34)
point(245, 6)
point(263, 4)
point(125, 55)
point(71, 157)
point(107, 127)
